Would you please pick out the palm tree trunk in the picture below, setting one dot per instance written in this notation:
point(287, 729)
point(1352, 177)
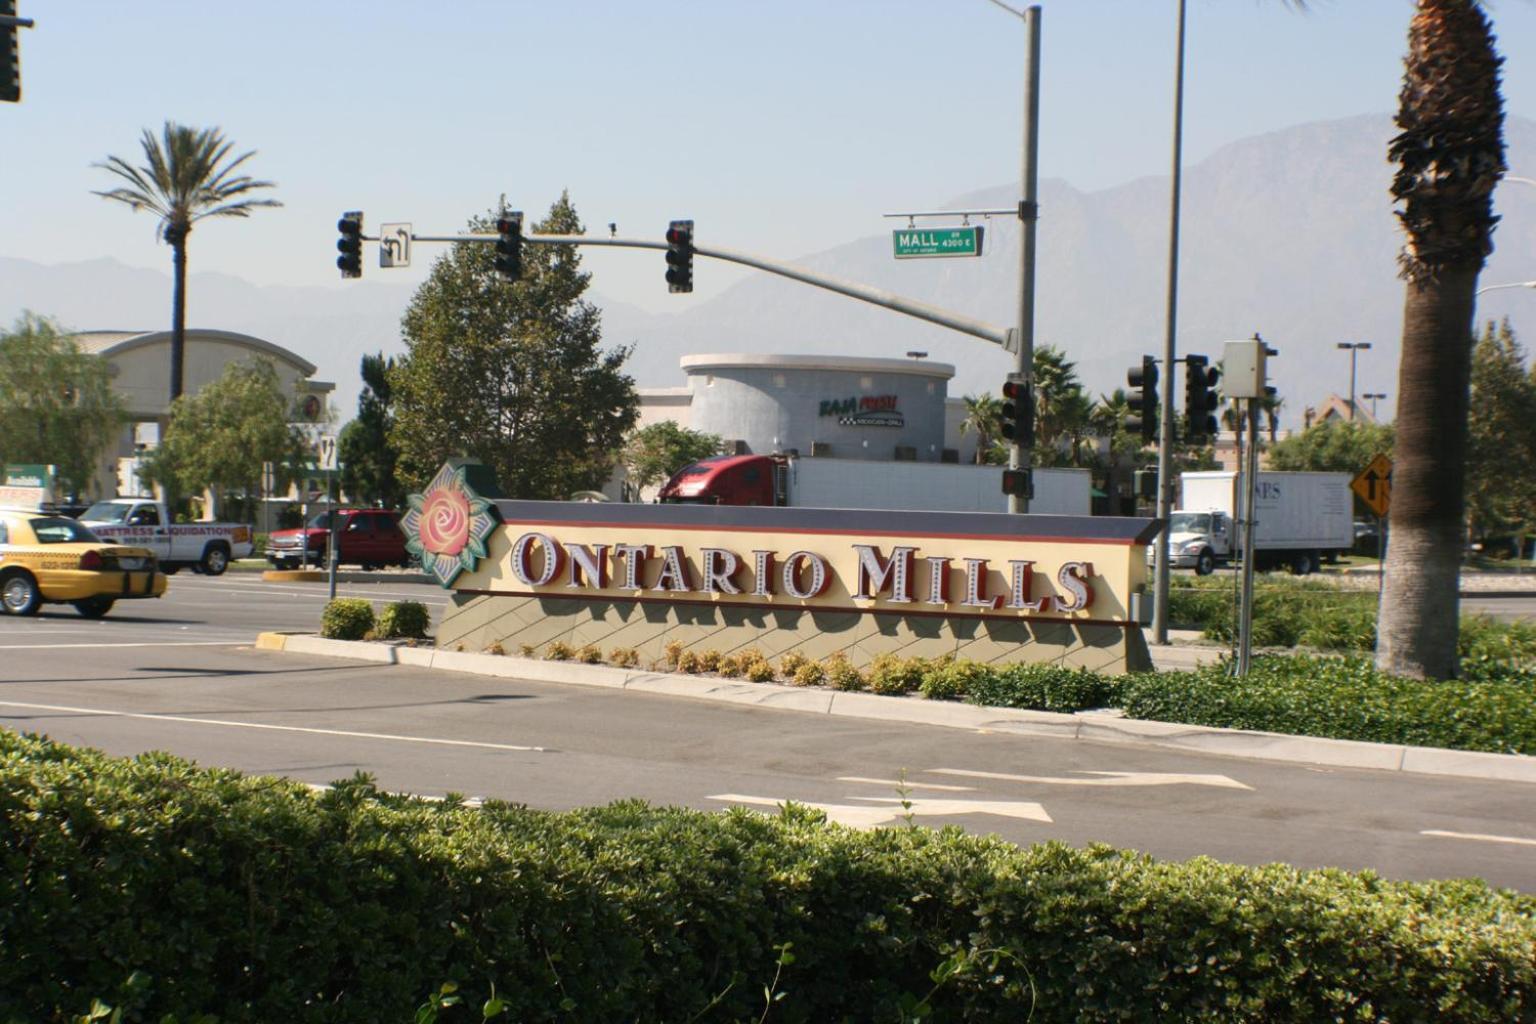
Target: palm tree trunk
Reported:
point(178, 309)
point(1419, 606)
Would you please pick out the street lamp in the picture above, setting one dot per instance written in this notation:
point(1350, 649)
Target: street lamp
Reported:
point(1354, 348)
point(1517, 284)
point(1371, 396)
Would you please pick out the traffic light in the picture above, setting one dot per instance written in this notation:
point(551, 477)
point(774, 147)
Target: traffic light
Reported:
point(1018, 413)
point(1143, 399)
point(1018, 482)
point(351, 244)
point(10, 56)
point(1200, 397)
point(680, 256)
point(1145, 481)
point(509, 245)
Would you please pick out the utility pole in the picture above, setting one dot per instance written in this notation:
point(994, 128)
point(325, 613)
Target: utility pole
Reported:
point(1170, 354)
point(1019, 456)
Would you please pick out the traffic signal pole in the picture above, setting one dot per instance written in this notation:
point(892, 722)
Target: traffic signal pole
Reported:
point(1021, 455)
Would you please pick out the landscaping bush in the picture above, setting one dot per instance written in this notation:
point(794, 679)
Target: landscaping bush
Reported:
point(165, 890)
point(346, 618)
point(1040, 687)
point(893, 675)
point(559, 650)
point(952, 680)
point(758, 671)
point(841, 674)
point(624, 657)
point(1344, 698)
point(403, 619)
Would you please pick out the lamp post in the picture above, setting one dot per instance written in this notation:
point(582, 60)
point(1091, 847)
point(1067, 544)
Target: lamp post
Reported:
point(1371, 396)
point(1354, 348)
point(1517, 284)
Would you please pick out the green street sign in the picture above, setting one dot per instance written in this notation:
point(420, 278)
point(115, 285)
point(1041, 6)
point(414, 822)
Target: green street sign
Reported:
point(916, 243)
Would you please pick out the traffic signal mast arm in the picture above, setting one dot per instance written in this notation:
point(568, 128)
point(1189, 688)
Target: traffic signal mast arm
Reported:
point(876, 296)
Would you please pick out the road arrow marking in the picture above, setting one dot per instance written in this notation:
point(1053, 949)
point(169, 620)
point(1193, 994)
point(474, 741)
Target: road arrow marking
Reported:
point(859, 816)
point(1481, 836)
point(899, 784)
point(1106, 778)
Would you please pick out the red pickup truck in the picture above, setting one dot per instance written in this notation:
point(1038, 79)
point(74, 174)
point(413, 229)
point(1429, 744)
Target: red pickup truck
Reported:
point(368, 537)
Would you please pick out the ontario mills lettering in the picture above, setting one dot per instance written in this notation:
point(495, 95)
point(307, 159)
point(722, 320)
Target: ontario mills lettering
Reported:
point(904, 577)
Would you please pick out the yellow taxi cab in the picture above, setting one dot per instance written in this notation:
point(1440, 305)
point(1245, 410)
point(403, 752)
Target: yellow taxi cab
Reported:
point(46, 557)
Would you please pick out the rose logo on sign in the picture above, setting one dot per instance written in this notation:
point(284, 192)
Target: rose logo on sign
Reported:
point(447, 525)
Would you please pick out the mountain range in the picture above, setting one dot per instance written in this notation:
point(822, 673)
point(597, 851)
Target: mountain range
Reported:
point(1289, 234)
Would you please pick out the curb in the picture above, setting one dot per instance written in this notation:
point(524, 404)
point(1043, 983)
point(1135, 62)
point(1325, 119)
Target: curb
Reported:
point(320, 576)
point(1097, 726)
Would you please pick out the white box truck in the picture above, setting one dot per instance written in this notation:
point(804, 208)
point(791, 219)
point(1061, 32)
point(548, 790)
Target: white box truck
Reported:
point(1302, 519)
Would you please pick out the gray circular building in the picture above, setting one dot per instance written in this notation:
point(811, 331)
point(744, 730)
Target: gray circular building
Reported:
point(827, 406)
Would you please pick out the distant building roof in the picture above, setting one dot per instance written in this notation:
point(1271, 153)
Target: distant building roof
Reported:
point(110, 343)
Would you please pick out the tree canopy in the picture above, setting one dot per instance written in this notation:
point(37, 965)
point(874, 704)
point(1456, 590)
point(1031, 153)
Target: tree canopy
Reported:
point(220, 436)
point(1501, 441)
point(57, 406)
point(1332, 446)
point(511, 373)
point(368, 458)
point(654, 453)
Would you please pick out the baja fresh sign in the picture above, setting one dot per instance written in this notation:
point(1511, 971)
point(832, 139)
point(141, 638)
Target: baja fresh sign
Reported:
point(864, 411)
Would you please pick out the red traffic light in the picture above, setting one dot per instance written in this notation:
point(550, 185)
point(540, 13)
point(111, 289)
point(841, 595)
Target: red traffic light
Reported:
point(1013, 390)
point(679, 236)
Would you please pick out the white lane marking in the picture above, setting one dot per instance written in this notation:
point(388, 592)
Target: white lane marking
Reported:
point(1107, 778)
point(859, 816)
point(275, 728)
point(905, 784)
point(469, 801)
point(1480, 836)
point(144, 643)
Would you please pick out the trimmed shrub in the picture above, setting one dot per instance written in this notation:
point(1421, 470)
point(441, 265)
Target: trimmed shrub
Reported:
point(893, 675)
point(1041, 687)
point(402, 619)
point(496, 649)
point(671, 651)
point(169, 891)
point(624, 657)
point(559, 650)
point(952, 680)
point(687, 661)
point(841, 675)
point(759, 671)
point(590, 654)
point(731, 665)
point(1343, 698)
point(346, 618)
point(809, 673)
point(709, 661)
point(790, 663)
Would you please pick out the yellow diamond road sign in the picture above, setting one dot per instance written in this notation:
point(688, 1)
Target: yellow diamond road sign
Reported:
point(1374, 485)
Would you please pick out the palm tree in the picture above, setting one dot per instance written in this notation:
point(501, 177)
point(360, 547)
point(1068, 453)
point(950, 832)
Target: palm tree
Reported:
point(187, 176)
point(1450, 156)
point(984, 415)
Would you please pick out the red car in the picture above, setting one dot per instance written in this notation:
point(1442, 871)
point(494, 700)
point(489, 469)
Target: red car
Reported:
point(369, 537)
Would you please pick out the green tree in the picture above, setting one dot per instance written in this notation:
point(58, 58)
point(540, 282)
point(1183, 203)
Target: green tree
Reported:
point(220, 436)
point(1501, 442)
point(187, 175)
point(652, 454)
point(1450, 157)
point(368, 458)
point(512, 373)
point(1332, 446)
point(984, 418)
point(57, 406)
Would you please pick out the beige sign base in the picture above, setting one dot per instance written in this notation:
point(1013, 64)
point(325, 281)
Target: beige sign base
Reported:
point(475, 622)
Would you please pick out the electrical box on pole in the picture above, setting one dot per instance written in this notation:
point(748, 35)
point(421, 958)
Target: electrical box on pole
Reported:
point(1243, 367)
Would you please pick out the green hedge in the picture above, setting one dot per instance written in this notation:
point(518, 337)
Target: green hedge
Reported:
point(1337, 697)
point(403, 620)
point(163, 889)
point(346, 618)
point(1321, 616)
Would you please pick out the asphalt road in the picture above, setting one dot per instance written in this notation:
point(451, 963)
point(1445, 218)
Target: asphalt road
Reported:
point(179, 674)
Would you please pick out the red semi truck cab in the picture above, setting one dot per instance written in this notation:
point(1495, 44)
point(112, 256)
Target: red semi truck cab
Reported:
point(725, 480)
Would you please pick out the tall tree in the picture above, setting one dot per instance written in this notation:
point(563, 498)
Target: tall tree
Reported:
point(1334, 446)
point(1501, 443)
point(368, 458)
point(220, 436)
point(984, 418)
point(57, 406)
point(1450, 156)
point(512, 373)
point(652, 454)
point(187, 175)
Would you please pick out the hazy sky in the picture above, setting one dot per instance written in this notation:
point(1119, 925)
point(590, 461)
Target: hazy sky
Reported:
point(782, 128)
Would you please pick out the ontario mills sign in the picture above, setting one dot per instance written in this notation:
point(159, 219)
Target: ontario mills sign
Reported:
point(992, 587)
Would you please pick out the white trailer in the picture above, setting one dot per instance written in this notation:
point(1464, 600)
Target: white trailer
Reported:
point(931, 486)
point(1302, 518)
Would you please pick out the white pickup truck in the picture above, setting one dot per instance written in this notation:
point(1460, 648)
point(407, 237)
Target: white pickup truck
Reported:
point(202, 547)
